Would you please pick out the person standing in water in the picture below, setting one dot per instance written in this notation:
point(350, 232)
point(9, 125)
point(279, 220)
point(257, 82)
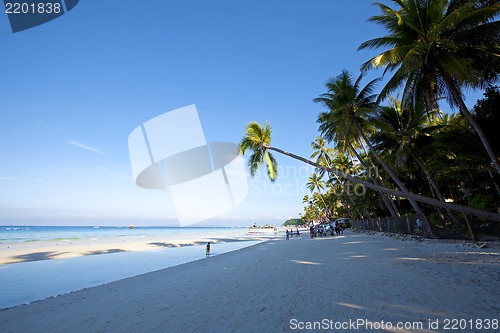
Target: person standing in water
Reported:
point(207, 250)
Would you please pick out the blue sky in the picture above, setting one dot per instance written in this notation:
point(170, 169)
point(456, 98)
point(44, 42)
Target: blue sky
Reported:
point(73, 89)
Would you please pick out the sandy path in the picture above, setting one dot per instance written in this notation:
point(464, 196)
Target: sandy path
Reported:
point(267, 287)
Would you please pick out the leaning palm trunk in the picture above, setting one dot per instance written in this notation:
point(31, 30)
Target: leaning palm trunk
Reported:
point(349, 197)
point(342, 200)
point(407, 195)
point(391, 173)
point(465, 112)
point(435, 188)
point(494, 182)
point(346, 206)
point(361, 215)
point(324, 203)
point(388, 203)
point(379, 181)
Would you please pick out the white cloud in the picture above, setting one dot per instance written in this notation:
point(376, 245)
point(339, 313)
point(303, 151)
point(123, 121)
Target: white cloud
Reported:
point(12, 179)
point(84, 146)
point(8, 178)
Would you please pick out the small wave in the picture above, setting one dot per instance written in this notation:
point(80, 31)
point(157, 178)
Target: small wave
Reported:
point(65, 239)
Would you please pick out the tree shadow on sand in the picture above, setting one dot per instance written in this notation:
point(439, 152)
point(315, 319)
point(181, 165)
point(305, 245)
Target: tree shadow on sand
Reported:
point(170, 245)
point(35, 256)
point(212, 240)
point(241, 239)
point(91, 253)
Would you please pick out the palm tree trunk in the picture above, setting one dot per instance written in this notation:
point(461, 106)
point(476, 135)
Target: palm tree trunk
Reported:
point(391, 173)
point(392, 209)
point(471, 231)
point(407, 195)
point(351, 200)
point(361, 215)
point(463, 109)
point(494, 181)
point(342, 201)
point(345, 205)
point(388, 203)
point(435, 196)
point(433, 184)
point(380, 181)
point(323, 201)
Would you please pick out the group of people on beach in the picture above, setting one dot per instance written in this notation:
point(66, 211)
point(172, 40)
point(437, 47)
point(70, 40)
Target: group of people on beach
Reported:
point(325, 229)
point(291, 233)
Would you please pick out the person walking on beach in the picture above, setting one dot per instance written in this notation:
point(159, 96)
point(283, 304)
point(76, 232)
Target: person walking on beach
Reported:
point(419, 225)
point(207, 250)
point(287, 234)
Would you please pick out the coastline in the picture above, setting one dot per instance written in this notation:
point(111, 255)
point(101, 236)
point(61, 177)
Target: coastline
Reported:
point(27, 282)
point(58, 263)
point(64, 248)
point(275, 284)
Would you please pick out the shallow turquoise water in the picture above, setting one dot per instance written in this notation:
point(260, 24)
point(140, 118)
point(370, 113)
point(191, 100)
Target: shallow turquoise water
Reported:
point(13, 234)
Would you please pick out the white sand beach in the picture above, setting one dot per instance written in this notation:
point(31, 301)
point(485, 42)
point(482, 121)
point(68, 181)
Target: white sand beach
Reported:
point(33, 251)
point(26, 282)
point(344, 283)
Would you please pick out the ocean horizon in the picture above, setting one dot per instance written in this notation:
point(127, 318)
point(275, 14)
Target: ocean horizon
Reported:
point(19, 233)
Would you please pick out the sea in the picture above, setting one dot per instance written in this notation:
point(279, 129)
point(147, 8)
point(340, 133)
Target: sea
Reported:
point(14, 234)
point(26, 282)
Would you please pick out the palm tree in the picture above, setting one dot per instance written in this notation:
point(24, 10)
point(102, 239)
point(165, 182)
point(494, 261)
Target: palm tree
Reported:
point(257, 139)
point(347, 103)
point(342, 162)
point(377, 179)
point(402, 129)
point(319, 202)
point(322, 153)
point(346, 138)
point(265, 146)
point(436, 47)
point(315, 183)
point(336, 206)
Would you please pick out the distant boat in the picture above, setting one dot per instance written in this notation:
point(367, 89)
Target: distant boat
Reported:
point(132, 226)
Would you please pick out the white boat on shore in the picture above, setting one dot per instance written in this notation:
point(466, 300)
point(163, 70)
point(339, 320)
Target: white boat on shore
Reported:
point(257, 230)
